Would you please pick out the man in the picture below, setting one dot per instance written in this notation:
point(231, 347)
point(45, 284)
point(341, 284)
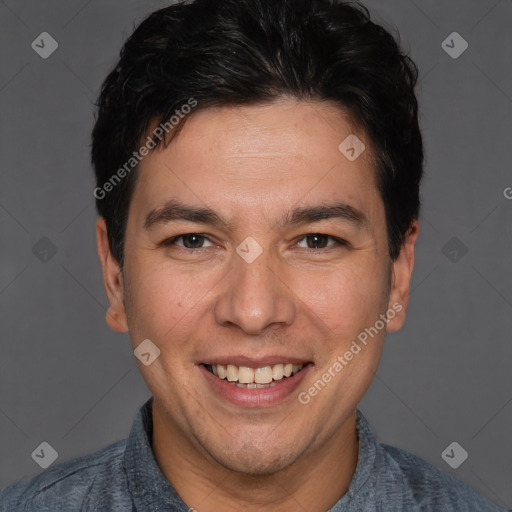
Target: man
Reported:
point(258, 166)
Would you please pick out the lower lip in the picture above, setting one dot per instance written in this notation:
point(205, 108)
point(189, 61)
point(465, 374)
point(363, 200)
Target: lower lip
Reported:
point(256, 397)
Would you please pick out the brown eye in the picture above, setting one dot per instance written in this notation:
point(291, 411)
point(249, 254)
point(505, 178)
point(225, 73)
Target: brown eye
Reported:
point(320, 241)
point(189, 241)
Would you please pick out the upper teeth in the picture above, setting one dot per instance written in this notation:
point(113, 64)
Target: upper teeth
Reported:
point(263, 375)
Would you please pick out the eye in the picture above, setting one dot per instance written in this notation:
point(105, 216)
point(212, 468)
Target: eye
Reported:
point(190, 241)
point(319, 241)
point(314, 241)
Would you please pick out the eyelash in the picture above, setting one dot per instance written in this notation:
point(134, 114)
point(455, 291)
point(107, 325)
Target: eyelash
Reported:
point(339, 242)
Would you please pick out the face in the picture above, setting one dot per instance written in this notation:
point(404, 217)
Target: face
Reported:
point(286, 263)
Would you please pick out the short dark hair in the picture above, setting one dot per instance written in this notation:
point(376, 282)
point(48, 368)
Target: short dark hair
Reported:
point(241, 52)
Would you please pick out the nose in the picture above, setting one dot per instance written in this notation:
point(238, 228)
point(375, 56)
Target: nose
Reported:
point(255, 297)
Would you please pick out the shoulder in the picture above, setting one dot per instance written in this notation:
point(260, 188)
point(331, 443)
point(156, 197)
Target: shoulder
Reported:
point(432, 489)
point(70, 484)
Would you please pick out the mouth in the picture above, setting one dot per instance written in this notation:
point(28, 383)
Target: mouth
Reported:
point(255, 378)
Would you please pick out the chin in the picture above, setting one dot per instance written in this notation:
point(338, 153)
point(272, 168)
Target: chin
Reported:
point(258, 469)
point(251, 461)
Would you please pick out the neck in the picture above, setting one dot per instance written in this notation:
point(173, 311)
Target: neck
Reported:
point(314, 482)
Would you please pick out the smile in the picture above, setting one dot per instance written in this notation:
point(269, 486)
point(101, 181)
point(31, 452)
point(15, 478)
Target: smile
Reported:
point(246, 377)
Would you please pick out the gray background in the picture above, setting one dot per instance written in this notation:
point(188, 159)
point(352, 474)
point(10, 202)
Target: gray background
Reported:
point(66, 379)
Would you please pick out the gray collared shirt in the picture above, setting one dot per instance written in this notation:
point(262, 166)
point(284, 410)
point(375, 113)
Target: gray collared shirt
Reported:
point(124, 476)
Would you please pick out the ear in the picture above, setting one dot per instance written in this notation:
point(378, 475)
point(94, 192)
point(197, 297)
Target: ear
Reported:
point(112, 279)
point(401, 270)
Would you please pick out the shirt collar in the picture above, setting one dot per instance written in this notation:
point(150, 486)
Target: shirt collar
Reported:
point(149, 487)
point(366, 462)
point(152, 491)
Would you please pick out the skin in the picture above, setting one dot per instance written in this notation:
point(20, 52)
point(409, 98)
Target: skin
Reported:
point(252, 164)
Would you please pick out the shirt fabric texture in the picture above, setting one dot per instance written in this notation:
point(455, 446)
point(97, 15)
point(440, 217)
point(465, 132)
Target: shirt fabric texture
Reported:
point(125, 477)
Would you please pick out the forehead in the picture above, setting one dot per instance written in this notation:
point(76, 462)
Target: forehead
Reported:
point(255, 156)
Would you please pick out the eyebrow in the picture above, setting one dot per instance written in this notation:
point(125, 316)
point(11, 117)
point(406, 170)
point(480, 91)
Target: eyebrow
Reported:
point(174, 211)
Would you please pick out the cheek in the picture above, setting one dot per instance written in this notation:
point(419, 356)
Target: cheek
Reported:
point(162, 301)
point(347, 299)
